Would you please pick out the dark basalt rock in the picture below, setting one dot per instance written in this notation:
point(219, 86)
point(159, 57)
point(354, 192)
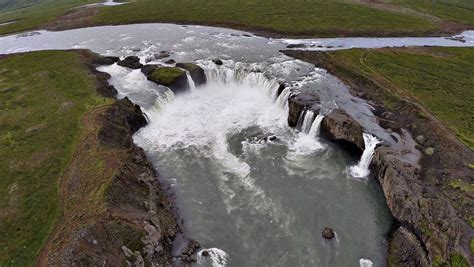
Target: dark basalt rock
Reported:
point(205, 253)
point(338, 126)
point(301, 102)
point(328, 233)
point(218, 62)
point(147, 69)
point(171, 77)
point(405, 250)
point(121, 120)
point(418, 207)
point(189, 253)
point(132, 62)
point(197, 73)
point(170, 61)
point(281, 87)
point(295, 46)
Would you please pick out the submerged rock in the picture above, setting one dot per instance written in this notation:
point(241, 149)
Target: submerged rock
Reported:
point(338, 126)
point(299, 103)
point(218, 62)
point(328, 233)
point(132, 62)
point(171, 77)
point(295, 46)
point(205, 253)
point(197, 73)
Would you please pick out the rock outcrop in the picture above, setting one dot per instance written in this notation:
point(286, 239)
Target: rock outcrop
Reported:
point(121, 120)
point(338, 126)
point(197, 73)
point(132, 62)
point(171, 77)
point(299, 103)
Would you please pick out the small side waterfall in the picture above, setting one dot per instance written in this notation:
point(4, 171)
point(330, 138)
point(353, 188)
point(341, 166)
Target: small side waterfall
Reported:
point(307, 121)
point(362, 168)
point(316, 126)
point(192, 85)
point(282, 99)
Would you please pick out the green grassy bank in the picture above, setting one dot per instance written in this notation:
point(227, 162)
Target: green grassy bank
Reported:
point(441, 79)
point(43, 96)
point(296, 18)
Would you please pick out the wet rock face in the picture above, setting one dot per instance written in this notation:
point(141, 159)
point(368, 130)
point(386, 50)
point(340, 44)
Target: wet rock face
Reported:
point(217, 62)
point(418, 207)
point(121, 120)
point(132, 62)
point(171, 77)
point(405, 250)
point(197, 73)
point(299, 103)
point(338, 126)
point(328, 233)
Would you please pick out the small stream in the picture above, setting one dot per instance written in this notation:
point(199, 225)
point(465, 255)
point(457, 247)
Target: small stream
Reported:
point(251, 190)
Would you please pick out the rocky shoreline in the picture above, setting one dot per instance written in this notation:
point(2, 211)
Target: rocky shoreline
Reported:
point(433, 218)
point(135, 222)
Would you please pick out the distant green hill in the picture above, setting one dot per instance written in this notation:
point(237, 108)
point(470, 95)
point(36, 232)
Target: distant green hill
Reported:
point(6, 5)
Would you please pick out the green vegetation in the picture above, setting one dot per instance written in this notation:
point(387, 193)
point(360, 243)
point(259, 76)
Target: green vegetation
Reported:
point(36, 14)
point(166, 75)
point(441, 79)
point(290, 18)
point(315, 17)
point(458, 260)
point(461, 11)
point(43, 96)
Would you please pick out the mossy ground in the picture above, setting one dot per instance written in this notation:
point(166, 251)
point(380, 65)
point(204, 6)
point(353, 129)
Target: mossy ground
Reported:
point(44, 96)
point(165, 75)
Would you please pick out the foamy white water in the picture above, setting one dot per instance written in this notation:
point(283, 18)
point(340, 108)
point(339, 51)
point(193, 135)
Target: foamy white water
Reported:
point(316, 126)
point(362, 168)
point(217, 257)
point(307, 121)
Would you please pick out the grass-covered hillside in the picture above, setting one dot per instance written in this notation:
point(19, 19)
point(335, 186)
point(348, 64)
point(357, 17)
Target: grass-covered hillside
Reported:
point(298, 18)
point(43, 97)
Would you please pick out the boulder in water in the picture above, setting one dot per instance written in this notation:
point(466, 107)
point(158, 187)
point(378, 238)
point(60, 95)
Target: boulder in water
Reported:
point(328, 233)
point(171, 77)
point(132, 62)
point(147, 69)
point(196, 72)
point(298, 103)
point(205, 253)
point(218, 62)
point(170, 61)
point(295, 46)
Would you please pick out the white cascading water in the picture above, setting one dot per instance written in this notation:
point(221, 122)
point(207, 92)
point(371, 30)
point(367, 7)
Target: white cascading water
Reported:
point(361, 170)
point(192, 85)
point(307, 121)
point(216, 257)
point(316, 126)
point(365, 263)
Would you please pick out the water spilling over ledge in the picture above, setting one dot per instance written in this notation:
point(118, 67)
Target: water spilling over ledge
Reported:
point(248, 185)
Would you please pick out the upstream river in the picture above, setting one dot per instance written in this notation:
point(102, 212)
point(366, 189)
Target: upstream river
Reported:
point(250, 200)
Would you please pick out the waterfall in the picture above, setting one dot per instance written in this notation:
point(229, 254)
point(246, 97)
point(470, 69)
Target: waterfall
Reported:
point(362, 168)
point(307, 120)
point(315, 127)
point(192, 85)
point(282, 100)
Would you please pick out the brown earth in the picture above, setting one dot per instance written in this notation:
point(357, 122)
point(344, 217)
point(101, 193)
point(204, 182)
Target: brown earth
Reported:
point(434, 216)
point(115, 211)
